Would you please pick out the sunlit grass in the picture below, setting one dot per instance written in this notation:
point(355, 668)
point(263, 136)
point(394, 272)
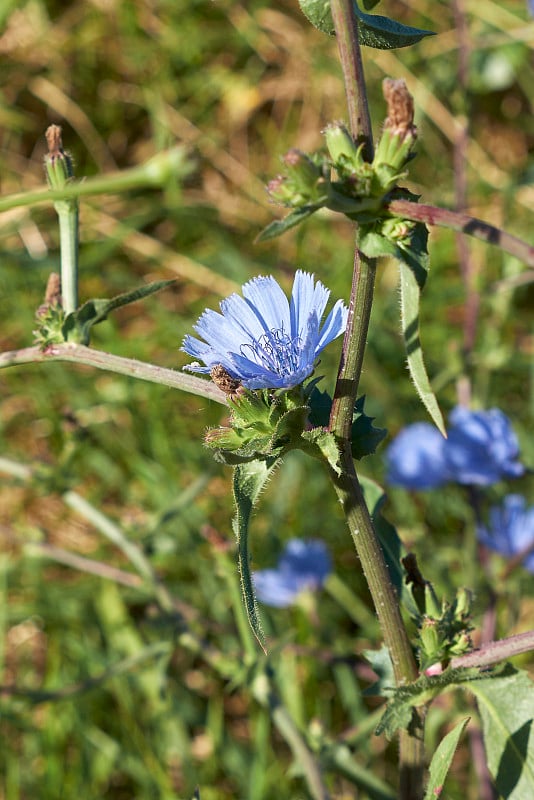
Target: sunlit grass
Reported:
point(238, 84)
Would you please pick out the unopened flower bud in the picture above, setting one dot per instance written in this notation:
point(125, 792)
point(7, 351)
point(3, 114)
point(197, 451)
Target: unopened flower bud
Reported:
point(341, 146)
point(464, 599)
point(223, 438)
point(431, 642)
point(278, 190)
point(301, 169)
point(399, 133)
point(433, 607)
point(58, 163)
point(462, 645)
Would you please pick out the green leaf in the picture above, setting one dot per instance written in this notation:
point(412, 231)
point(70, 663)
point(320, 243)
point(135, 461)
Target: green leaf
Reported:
point(506, 706)
point(410, 296)
point(384, 33)
point(380, 661)
point(364, 436)
point(375, 31)
point(78, 324)
point(389, 541)
point(325, 446)
point(280, 226)
point(442, 759)
point(421, 692)
point(249, 480)
point(374, 244)
point(411, 253)
point(288, 430)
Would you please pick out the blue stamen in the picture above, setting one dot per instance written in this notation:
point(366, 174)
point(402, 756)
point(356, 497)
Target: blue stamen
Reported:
point(275, 351)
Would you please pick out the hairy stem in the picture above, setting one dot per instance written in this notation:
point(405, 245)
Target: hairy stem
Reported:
point(346, 26)
point(79, 354)
point(346, 483)
point(494, 652)
point(458, 221)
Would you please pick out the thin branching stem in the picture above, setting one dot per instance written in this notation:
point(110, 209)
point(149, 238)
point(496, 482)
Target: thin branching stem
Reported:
point(79, 354)
point(170, 165)
point(464, 223)
point(495, 652)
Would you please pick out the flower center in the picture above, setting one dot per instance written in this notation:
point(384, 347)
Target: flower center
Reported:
point(275, 351)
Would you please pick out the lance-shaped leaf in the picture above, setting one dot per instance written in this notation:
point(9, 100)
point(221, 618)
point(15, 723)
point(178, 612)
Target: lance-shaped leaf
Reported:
point(412, 255)
point(249, 480)
point(421, 692)
point(280, 226)
point(374, 30)
point(442, 760)
point(410, 297)
point(506, 706)
point(78, 324)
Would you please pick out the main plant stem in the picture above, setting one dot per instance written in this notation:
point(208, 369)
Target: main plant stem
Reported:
point(347, 484)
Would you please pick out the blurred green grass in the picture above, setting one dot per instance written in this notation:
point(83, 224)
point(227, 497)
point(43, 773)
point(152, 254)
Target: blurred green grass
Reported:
point(238, 84)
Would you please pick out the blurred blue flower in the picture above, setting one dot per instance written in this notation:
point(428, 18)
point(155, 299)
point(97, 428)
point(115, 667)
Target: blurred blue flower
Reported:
point(480, 450)
point(530, 6)
point(511, 529)
point(416, 458)
point(482, 447)
point(263, 340)
point(304, 564)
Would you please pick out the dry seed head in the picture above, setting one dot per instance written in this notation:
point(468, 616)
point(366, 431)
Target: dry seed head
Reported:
point(53, 290)
point(53, 139)
point(400, 108)
point(222, 378)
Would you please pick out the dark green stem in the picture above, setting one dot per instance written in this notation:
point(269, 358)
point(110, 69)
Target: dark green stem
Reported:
point(350, 368)
point(346, 26)
point(346, 483)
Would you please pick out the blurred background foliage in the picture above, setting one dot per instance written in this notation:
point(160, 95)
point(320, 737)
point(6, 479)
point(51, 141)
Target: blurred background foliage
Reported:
point(238, 84)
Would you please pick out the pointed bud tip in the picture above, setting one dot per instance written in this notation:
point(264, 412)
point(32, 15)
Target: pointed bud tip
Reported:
point(58, 163)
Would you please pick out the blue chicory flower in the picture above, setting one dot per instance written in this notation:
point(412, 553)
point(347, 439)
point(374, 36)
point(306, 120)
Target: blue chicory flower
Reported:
point(480, 450)
point(263, 340)
point(304, 564)
point(511, 529)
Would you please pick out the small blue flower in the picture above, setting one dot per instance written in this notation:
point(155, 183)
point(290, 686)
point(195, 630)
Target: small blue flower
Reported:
point(263, 340)
point(530, 6)
point(480, 450)
point(511, 529)
point(304, 564)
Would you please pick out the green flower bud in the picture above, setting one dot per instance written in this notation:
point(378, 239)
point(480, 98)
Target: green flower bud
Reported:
point(302, 170)
point(462, 645)
point(343, 150)
point(431, 642)
point(399, 134)
point(302, 183)
point(433, 608)
point(464, 599)
point(58, 163)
